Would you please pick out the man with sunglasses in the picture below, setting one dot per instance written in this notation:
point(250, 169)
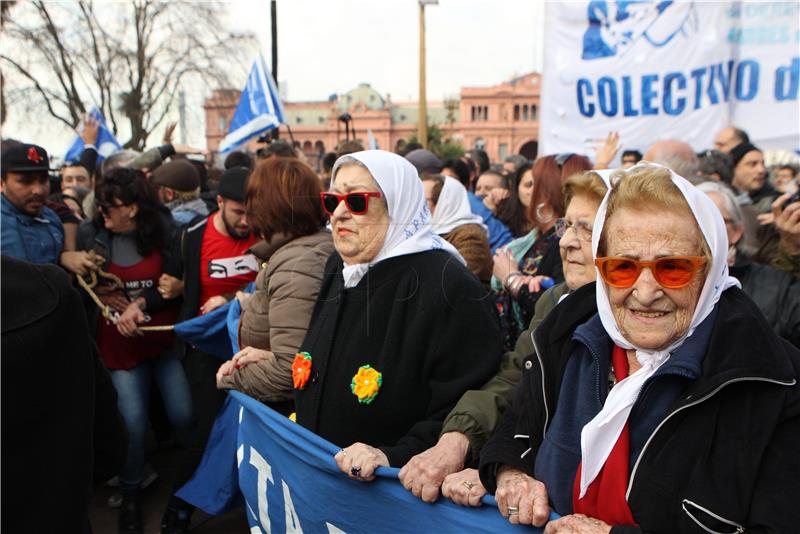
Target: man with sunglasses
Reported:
point(216, 264)
point(30, 230)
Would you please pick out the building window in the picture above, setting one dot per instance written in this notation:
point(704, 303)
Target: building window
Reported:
point(516, 112)
point(298, 120)
point(525, 112)
point(503, 151)
point(479, 113)
point(222, 123)
point(321, 120)
point(534, 112)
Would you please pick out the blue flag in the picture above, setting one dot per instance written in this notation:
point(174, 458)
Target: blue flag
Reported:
point(216, 332)
point(106, 143)
point(259, 108)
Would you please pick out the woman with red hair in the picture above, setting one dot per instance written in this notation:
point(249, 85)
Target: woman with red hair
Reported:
point(529, 265)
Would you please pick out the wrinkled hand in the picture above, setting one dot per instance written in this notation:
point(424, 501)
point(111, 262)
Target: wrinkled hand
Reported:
point(79, 262)
point(91, 127)
point(212, 304)
point(362, 456)
point(226, 369)
point(128, 323)
point(424, 473)
point(577, 524)
point(170, 287)
point(250, 355)
point(168, 131)
point(605, 153)
point(464, 488)
point(787, 223)
point(504, 264)
point(517, 490)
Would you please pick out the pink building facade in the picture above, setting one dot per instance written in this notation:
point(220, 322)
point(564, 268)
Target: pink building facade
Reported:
point(502, 119)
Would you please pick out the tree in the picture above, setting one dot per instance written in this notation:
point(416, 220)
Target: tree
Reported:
point(128, 59)
point(444, 148)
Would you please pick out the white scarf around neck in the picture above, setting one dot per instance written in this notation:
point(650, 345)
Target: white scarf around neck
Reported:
point(599, 435)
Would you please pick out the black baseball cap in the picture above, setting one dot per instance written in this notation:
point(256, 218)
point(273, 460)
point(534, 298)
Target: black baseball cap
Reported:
point(22, 157)
point(233, 182)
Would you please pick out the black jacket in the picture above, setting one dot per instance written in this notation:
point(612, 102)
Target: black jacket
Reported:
point(776, 294)
point(725, 456)
point(59, 409)
point(422, 320)
point(190, 243)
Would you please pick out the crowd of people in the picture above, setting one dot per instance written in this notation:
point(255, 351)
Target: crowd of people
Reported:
point(619, 346)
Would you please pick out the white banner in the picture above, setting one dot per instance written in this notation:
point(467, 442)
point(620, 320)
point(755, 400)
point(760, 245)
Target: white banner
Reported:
point(654, 70)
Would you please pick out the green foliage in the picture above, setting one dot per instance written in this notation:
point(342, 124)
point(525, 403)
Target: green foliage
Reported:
point(444, 148)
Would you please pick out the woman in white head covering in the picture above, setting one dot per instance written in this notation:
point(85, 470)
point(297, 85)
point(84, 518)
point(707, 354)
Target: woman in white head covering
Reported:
point(662, 401)
point(400, 328)
point(454, 221)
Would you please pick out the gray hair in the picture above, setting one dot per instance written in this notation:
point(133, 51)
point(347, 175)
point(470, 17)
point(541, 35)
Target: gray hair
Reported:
point(745, 245)
point(728, 199)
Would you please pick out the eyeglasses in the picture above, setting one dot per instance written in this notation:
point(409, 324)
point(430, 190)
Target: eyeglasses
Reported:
point(357, 202)
point(672, 272)
point(105, 206)
point(582, 230)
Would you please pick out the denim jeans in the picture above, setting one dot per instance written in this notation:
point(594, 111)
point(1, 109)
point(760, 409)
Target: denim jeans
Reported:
point(133, 396)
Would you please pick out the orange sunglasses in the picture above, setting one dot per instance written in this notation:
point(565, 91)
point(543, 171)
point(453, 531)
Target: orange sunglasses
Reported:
point(672, 272)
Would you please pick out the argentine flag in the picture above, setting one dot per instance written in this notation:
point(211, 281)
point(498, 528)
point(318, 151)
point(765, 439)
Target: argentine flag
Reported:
point(106, 143)
point(259, 108)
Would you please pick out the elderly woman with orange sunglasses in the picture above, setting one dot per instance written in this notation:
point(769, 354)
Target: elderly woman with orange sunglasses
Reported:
point(400, 329)
point(659, 400)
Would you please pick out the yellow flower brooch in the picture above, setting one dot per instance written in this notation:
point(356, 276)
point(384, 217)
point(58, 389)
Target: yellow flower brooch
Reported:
point(366, 383)
point(301, 369)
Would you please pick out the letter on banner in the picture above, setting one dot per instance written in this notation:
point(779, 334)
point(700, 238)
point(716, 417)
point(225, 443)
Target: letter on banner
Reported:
point(264, 475)
point(787, 80)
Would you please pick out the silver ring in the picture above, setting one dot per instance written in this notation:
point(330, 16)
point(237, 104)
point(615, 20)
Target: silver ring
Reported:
point(513, 510)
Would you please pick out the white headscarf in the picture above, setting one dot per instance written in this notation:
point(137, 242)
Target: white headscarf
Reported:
point(601, 433)
point(452, 208)
point(409, 217)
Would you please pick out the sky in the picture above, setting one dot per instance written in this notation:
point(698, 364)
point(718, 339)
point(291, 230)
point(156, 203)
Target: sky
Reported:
point(330, 46)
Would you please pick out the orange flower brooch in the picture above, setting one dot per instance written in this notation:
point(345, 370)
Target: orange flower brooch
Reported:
point(301, 369)
point(366, 383)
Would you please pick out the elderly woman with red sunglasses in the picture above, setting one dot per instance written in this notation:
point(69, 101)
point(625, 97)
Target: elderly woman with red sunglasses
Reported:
point(400, 329)
point(661, 400)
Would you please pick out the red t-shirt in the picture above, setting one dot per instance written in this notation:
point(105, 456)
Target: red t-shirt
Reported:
point(120, 352)
point(225, 265)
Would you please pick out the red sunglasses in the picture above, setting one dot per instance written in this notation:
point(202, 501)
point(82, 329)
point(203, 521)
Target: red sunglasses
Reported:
point(672, 272)
point(357, 202)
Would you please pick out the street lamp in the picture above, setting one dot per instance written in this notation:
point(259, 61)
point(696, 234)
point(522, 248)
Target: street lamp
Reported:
point(422, 120)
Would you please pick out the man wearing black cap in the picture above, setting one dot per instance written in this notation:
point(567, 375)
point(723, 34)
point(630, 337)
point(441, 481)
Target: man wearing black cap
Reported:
point(216, 265)
point(30, 231)
point(179, 190)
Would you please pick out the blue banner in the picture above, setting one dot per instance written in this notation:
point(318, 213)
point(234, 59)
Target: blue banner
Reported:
point(106, 143)
point(286, 475)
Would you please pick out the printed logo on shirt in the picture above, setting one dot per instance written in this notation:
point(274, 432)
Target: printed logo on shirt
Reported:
point(230, 267)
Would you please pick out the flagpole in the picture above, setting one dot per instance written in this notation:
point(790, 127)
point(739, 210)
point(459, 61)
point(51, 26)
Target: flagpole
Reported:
point(274, 15)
